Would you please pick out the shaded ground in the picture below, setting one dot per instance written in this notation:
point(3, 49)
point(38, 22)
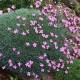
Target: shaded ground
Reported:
point(4, 75)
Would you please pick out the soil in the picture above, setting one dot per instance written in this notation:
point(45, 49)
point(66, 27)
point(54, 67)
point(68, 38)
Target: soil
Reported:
point(4, 74)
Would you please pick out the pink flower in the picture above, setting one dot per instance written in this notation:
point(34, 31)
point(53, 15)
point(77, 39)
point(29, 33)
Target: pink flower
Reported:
point(34, 15)
point(49, 64)
point(33, 74)
point(37, 4)
point(48, 71)
point(67, 62)
point(18, 24)
point(34, 44)
point(51, 40)
point(27, 44)
point(23, 18)
point(53, 62)
point(32, 23)
point(9, 9)
point(62, 66)
point(36, 29)
point(56, 36)
point(42, 70)
point(18, 52)
point(3, 67)
point(58, 65)
point(60, 60)
point(71, 28)
point(13, 7)
point(36, 76)
point(15, 31)
point(41, 65)
point(57, 70)
point(27, 64)
point(55, 25)
point(0, 54)
point(40, 18)
point(63, 20)
point(15, 67)
point(47, 60)
point(54, 67)
point(41, 57)
point(43, 46)
point(71, 61)
point(39, 26)
point(52, 18)
point(30, 62)
point(45, 35)
point(27, 31)
point(10, 64)
point(14, 49)
point(52, 34)
point(23, 33)
point(1, 12)
point(77, 38)
point(44, 42)
point(9, 29)
point(47, 47)
point(41, 0)
point(19, 64)
point(28, 73)
point(68, 52)
point(56, 47)
point(31, 6)
point(50, 24)
point(44, 55)
point(9, 61)
point(65, 44)
point(62, 49)
point(24, 25)
point(41, 31)
point(55, 43)
point(18, 17)
point(66, 72)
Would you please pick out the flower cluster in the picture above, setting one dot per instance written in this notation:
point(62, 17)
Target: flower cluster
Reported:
point(9, 9)
point(38, 3)
point(46, 43)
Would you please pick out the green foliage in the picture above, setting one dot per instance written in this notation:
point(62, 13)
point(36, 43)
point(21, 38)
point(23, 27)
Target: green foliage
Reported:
point(18, 3)
point(9, 20)
point(9, 40)
point(57, 1)
point(13, 78)
point(5, 4)
point(22, 3)
point(72, 6)
point(74, 72)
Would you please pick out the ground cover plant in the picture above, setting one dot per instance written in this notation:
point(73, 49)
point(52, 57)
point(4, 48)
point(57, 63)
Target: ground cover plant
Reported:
point(35, 42)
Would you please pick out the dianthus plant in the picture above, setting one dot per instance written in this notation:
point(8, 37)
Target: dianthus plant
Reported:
point(46, 41)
